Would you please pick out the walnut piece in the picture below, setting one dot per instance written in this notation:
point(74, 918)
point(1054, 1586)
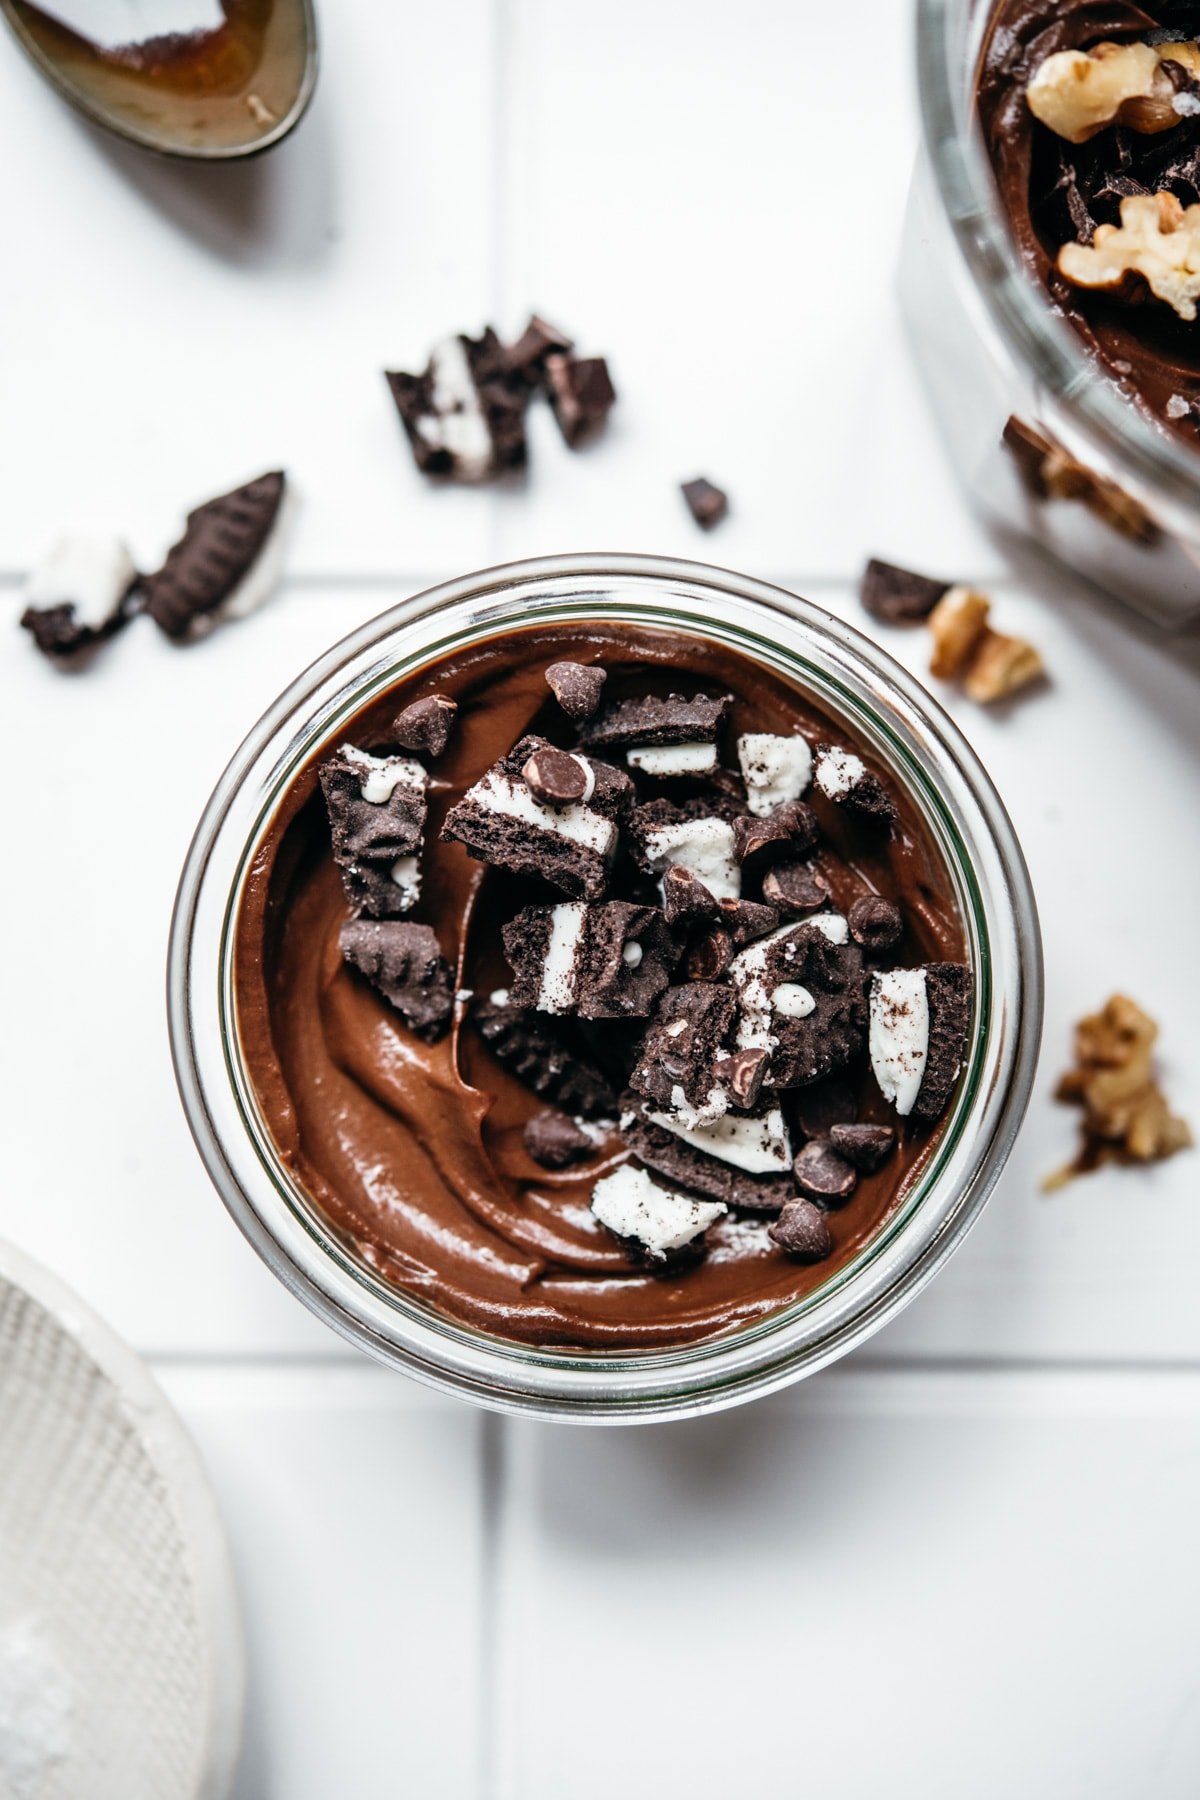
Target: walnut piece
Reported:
point(991, 665)
point(1156, 246)
point(1050, 472)
point(957, 622)
point(1125, 1114)
point(1000, 665)
point(1076, 93)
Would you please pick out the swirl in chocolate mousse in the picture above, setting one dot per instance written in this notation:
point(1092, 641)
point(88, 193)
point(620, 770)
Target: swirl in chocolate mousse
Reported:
point(414, 1151)
point(1056, 192)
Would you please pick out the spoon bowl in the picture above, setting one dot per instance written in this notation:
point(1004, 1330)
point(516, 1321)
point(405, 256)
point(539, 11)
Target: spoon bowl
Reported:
point(215, 94)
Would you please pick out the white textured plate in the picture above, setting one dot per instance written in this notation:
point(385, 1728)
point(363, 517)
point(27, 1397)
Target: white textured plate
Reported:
point(122, 1667)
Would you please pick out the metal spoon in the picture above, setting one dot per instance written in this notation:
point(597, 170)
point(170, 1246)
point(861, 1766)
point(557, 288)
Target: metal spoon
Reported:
point(214, 94)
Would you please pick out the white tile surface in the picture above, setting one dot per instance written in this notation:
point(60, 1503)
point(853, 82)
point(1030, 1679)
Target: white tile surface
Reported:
point(355, 1513)
point(886, 1585)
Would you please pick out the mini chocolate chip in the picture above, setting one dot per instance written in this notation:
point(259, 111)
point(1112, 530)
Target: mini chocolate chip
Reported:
point(863, 1145)
point(710, 956)
point(823, 1174)
point(555, 777)
point(426, 724)
point(685, 896)
point(898, 596)
point(795, 888)
point(746, 920)
point(791, 828)
point(802, 1230)
point(742, 1073)
point(822, 1106)
point(707, 503)
point(874, 922)
point(555, 1141)
point(576, 687)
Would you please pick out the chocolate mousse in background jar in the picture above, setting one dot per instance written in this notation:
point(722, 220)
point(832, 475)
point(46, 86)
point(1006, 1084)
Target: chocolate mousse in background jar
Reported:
point(1074, 426)
point(296, 1077)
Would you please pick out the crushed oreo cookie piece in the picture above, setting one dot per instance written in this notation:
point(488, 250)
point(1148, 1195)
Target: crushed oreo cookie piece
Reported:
point(377, 812)
point(465, 414)
point(948, 998)
point(502, 822)
point(676, 1067)
point(660, 1220)
point(82, 593)
point(695, 1169)
point(686, 900)
point(802, 1230)
point(554, 1141)
point(693, 837)
point(795, 888)
point(865, 1146)
point(404, 962)
point(790, 831)
point(824, 1175)
point(608, 961)
point(543, 1060)
point(226, 563)
point(527, 357)
point(577, 687)
point(845, 779)
point(801, 998)
point(426, 724)
point(875, 923)
point(581, 394)
point(649, 721)
point(707, 503)
point(918, 1033)
point(898, 596)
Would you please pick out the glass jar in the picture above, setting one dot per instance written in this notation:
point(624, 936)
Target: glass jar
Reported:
point(992, 351)
point(848, 675)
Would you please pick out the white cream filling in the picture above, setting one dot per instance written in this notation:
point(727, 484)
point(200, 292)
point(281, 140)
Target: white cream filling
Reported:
point(673, 759)
point(406, 873)
point(832, 925)
point(382, 775)
point(713, 1107)
point(775, 769)
point(91, 573)
point(457, 424)
point(702, 846)
point(838, 771)
point(589, 777)
point(497, 793)
point(499, 996)
point(633, 1205)
point(759, 1145)
point(631, 954)
point(898, 1037)
point(560, 969)
point(791, 1001)
point(264, 574)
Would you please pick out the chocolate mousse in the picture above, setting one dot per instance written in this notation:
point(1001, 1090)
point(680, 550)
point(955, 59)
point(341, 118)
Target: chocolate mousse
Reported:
point(1091, 114)
point(599, 989)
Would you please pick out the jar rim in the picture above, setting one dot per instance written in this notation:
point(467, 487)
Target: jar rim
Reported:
point(958, 802)
point(1085, 401)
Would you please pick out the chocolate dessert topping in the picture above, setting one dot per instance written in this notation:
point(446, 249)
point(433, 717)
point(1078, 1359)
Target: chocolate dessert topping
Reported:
point(824, 1175)
point(542, 1060)
point(426, 724)
point(790, 831)
point(677, 1065)
point(695, 1169)
point(581, 394)
point(948, 995)
point(557, 777)
point(217, 568)
point(82, 593)
point(795, 888)
point(803, 1231)
point(685, 897)
point(710, 956)
point(746, 920)
point(875, 923)
point(405, 963)
point(865, 1146)
point(817, 1109)
point(742, 1076)
point(899, 596)
point(527, 357)
point(706, 503)
point(609, 961)
point(577, 687)
point(845, 779)
point(465, 414)
point(649, 721)
point(555, 1141)
point(377, 811)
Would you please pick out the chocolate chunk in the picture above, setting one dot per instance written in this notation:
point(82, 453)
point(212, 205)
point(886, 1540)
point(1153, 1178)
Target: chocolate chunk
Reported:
point(746, 920)
point(405, 963)
point(790, 830)
point(82, 593)
point(706, 503)
point(500, 821)
point(817, 1109)
point(544, 1060)
point(527, 357)
point(802, 1230)
point(377, 811)
point(824, 1175)
point(898, 596)
point(649, 720)
point(710, 956)
point(576, 687)
point(693, 1169)
point(865, 1146)
point(555, 1141)
point(742, 1076)
point(682, 1046)
point(1029, 450)
point(609, 961)
point(948, 989)
point(426, 724)
point(555, 777)
point(795, 888)
point(210, 571)
point(581, 393)
point(465, 415)
point(685, 897)
point(803, 996)
point(874, 922)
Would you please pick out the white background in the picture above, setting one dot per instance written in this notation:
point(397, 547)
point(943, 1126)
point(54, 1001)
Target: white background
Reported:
point(963, 1565)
